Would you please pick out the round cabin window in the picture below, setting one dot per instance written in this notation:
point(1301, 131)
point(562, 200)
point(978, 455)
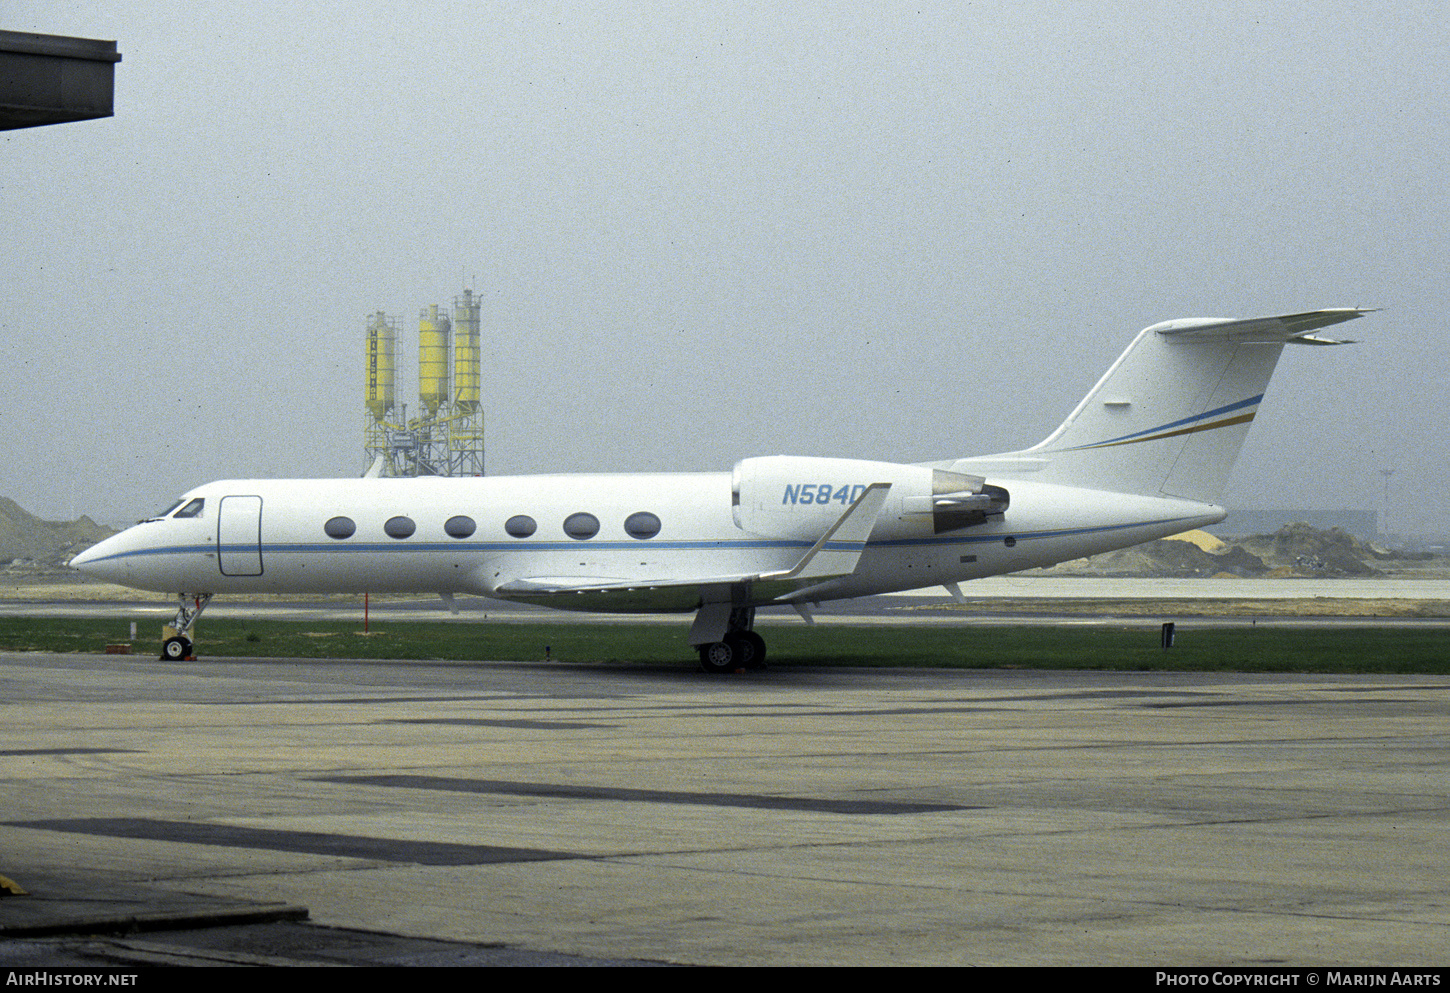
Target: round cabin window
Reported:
point(581, 526)
point(399, 527)
point(459, 527)
point(642, 525)
point(520, 526)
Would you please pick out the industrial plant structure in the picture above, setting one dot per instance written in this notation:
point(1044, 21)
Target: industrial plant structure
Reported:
point(446, 438)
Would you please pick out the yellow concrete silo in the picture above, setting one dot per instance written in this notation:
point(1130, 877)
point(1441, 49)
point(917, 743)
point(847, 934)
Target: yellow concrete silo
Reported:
point(381, 370)
point(380, 396)
point(433, 335)
point(466, 310)
point(465, 426)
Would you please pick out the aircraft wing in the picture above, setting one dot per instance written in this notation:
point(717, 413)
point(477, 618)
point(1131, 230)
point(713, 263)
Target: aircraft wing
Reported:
point(1292, 329)
point(836, 553)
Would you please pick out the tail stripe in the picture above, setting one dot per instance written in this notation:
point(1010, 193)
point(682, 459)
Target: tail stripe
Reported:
point(1165, 430)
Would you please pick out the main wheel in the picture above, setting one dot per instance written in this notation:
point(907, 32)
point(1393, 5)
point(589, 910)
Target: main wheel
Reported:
point(756, 659)
point(744, 646)
point(175, 649)
point(718, 657)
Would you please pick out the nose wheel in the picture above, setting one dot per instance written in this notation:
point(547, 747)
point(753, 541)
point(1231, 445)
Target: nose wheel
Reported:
point(175, 649)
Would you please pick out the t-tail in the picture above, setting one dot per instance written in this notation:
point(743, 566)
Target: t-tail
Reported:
point(1168, 419)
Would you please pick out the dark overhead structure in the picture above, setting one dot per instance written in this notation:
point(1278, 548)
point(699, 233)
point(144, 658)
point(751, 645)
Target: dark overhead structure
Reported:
point(48, 79)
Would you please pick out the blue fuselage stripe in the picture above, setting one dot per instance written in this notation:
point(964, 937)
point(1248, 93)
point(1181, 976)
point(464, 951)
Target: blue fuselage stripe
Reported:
point(525, 546)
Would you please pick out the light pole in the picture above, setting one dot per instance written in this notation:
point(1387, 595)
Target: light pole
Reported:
point(1385, 521)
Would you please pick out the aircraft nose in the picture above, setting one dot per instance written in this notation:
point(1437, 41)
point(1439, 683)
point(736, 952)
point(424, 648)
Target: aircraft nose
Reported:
point(99, 560)
point(85, 558)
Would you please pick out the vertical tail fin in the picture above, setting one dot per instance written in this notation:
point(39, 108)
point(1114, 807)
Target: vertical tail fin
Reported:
point(1170, 415)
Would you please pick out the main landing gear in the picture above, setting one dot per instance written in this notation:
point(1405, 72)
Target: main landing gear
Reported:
point(177, 646)
point(739, 650)
point(739, 646)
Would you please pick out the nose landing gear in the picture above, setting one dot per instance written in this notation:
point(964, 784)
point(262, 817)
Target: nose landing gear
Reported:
point(177, 646)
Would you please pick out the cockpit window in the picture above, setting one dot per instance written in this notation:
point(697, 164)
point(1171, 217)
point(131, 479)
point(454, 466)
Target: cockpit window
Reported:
point(192, 509)
point(164, 514)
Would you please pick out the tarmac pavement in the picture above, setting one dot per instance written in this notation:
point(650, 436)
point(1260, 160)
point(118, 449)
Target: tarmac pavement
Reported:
point(436, 812)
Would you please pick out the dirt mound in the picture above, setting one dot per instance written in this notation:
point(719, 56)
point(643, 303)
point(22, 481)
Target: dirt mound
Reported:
point(29, 543)
point(1205, 541)
point(1169, 557)
point(1310, 551)
point(1294, 550)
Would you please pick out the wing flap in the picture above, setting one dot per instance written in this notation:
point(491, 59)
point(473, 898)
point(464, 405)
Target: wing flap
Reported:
point(551, 585)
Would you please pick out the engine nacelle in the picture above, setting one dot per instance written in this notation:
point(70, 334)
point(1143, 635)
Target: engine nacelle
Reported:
point(784, 496)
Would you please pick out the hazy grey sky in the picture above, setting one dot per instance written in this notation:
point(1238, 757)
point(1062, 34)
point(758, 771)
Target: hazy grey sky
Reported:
point(878, 230)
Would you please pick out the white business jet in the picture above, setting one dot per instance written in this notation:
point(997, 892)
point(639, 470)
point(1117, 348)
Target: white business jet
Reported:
point(1145, 455)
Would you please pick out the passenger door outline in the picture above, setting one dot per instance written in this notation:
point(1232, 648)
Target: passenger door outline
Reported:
point(239, 536)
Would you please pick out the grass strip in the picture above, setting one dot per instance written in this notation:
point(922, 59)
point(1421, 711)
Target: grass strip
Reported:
point(1254, 649)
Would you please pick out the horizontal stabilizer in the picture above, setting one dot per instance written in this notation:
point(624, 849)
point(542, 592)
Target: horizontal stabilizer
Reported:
point(1260, 330)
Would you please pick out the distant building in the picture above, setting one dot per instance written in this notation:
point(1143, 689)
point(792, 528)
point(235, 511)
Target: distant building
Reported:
point(1363, 524)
